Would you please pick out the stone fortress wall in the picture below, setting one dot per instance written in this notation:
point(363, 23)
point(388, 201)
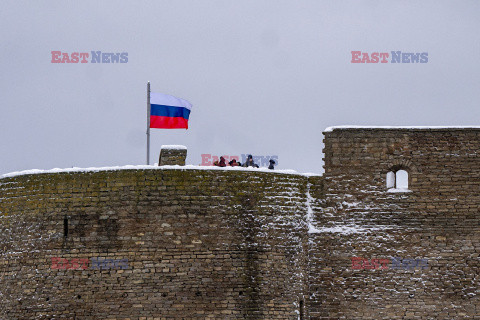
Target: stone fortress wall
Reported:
point(199, 243)
point(431, 235)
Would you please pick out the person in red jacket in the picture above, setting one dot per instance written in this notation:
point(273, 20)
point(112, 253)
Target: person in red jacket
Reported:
point(222, 162)
point(234, 163)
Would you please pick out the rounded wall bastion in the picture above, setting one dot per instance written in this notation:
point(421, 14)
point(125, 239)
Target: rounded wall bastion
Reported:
point(165, 243)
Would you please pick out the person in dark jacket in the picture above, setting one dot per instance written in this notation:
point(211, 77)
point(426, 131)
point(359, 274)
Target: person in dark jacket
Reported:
point(249, 162)
point(272, 164)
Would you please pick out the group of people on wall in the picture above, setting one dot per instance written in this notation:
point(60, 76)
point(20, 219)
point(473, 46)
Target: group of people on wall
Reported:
point(248, 163)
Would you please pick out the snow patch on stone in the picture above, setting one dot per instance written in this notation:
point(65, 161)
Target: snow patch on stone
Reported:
point(309, 217)
point(173, 146)
point(348, 229)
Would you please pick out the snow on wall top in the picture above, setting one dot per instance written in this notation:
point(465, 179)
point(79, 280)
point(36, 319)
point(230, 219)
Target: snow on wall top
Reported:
point(173, 146)
point(150, 167)
point(330, 129)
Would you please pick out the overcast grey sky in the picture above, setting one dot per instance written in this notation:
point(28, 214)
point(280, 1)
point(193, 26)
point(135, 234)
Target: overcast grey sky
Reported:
point(264, 77)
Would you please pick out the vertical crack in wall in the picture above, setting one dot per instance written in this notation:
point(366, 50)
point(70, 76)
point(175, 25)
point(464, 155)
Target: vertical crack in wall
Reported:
point(252, 272)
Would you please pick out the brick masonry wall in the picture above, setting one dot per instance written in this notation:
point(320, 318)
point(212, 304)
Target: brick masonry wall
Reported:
point(438, 222)
point(223, 244)
point(153, 244)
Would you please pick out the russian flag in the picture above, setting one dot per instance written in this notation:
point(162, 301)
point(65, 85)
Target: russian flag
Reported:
point(168, 112)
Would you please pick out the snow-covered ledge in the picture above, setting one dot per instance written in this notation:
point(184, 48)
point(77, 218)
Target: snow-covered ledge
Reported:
point(346, 127)
point(155, 167)
point(399, 190)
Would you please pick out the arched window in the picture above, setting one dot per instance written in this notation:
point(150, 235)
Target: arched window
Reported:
point(401, 179)
point(397, 180)
point(390, 179)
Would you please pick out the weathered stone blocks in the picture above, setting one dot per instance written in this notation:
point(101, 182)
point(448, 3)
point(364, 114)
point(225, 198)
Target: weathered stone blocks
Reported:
point(172, 155)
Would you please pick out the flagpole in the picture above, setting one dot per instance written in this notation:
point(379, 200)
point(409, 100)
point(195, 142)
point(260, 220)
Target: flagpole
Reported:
point(148, 122)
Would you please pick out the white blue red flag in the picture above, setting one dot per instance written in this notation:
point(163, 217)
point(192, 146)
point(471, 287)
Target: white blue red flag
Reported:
point(168, 112)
